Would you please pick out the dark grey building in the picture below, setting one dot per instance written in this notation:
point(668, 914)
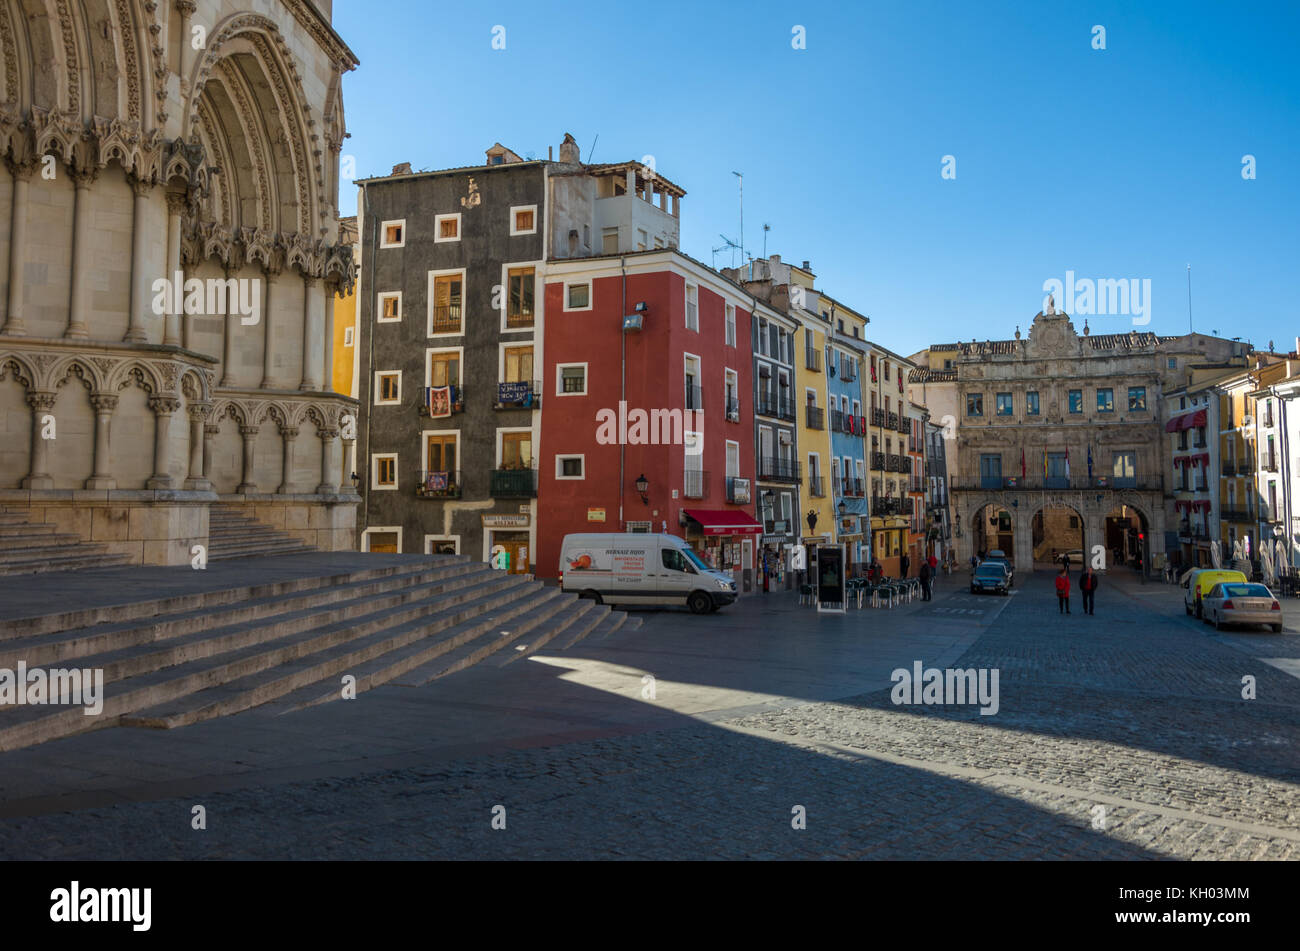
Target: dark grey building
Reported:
point(450, 316)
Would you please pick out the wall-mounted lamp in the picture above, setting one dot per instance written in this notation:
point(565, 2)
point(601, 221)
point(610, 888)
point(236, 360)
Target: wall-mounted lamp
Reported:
point(643, 486)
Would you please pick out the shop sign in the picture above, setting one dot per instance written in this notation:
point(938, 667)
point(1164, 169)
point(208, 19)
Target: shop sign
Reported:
point(595, 515)
point(505, 521)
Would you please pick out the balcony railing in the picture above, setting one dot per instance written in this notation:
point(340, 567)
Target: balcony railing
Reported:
point(438, 485)
point(733, 409)
point(877, 417)
point(446, 318)
point(893, 421)
point(1237, 514)
point(1228, 469)
point(1270, 464)
point(893, 463)
point(904, 425)
point(518, 395)
point(520, 319)
point(694, 397)
point(853, 488)
point(1245, 466)
point(776, 469)
point(1038, 483)
point(816, 417)
point(738, 492)
point(813, 360)
point(878, 461)
point(695, 484)
point(817, 487)
point(837, 422)
point(456, 402)
point(883, 505)
point(779, 407)
point(513, 483)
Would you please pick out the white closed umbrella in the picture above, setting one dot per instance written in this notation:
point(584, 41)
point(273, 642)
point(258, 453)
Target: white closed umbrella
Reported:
point(1216, 556)
point(1266, 565)
point(1282, 558)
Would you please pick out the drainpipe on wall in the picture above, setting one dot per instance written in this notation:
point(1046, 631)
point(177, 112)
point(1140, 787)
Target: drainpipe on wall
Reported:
point(622, 396)
point(363, 464)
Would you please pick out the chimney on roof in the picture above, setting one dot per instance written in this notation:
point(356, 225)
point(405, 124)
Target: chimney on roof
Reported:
point(402, 168)
point(806, 266)
point(569, 152)
point(776, 259)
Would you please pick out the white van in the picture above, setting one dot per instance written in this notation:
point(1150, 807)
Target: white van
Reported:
point(640, 568)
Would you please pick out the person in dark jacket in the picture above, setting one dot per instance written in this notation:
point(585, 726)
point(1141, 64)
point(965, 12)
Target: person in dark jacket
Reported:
point(1088, 588)
point(905, 564)
point(927, 575)
point(1063, 592)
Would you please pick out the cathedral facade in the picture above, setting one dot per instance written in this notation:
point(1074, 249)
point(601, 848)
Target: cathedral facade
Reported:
point(169, 259)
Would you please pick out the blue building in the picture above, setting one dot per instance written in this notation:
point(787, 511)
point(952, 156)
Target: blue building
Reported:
point(845, 358)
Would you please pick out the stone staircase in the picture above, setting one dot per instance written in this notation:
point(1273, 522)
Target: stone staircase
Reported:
point(27, 547)
point(187, 658)
point(234, 534)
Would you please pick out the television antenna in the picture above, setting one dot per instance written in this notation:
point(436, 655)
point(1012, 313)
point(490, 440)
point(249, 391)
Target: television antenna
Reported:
point(766, 228)
point(727, 243)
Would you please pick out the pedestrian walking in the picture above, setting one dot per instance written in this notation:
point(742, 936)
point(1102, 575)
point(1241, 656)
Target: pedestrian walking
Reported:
point(934, 565)
point(927, 575)
point(906, 563)
point(1063, 592)
point(1065, 562)
point(1088, 589)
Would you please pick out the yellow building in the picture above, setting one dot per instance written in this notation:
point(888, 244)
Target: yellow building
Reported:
point(346, 332)
point(1237, 455)
point(810, 400)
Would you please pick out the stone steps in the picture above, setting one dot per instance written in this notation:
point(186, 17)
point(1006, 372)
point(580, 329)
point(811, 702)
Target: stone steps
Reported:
point(28, 547)
point(232, 533)
point(174, 661)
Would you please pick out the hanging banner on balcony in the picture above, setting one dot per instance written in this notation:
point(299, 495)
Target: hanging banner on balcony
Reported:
point(439, 401)
point(437, 482)
point(740, 491)
point(514, 394)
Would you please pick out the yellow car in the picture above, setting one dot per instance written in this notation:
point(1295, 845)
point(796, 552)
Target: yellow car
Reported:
point(1199, 582)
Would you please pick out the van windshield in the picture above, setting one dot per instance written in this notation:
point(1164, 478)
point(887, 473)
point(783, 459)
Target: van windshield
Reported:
point(695, 559)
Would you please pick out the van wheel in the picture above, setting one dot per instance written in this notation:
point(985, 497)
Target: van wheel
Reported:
point(1199, 612)
point(699, 602)
point(591, 596)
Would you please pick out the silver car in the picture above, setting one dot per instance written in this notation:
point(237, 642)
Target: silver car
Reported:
point(1235, 602)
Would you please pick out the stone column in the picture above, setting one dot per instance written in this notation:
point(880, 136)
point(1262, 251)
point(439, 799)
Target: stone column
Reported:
point(210, 431)
point(199, 447)
point(172, 334)
point(22, 176)
point(232, 328)
point(141, 296)
point(346, 484)
point(327, 487)
point(78, 304)
point(186, 9)
point(38, 476)
point(327, 362)
point(250, 434)
point(163, 407)
point(286, 477)
point(104, 404)
point(313, 347)
point(269, 352)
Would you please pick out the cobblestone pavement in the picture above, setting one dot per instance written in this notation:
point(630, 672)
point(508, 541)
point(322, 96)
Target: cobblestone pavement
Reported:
point(1118, 736)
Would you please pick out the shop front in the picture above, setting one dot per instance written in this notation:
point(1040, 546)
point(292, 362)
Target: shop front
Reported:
point(774, 561)
point(726, 540)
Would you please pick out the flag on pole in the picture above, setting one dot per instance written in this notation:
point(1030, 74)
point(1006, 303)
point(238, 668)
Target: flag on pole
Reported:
point(1023, 474)
point(1067, 463)
point(1089, 460)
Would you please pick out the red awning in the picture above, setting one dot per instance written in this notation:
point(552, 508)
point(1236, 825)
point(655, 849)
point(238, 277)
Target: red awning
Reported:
point(725, 522)
point(1180, 504)
point(1186, 421)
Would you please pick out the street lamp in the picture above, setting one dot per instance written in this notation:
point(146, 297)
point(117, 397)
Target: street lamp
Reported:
point(643, 486)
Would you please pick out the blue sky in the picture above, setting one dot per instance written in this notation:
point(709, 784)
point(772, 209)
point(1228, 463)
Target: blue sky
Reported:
point(1123, 163)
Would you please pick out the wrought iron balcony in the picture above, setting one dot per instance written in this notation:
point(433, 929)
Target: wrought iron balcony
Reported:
point(446, 319)
point(816, 417)
point(438, 485)
point(513, 483)
point(776, 469)
point(817, 487)
point(877, 417)
point(695, 484)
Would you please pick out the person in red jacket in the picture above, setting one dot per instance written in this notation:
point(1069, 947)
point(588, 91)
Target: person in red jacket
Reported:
point(1063, 592)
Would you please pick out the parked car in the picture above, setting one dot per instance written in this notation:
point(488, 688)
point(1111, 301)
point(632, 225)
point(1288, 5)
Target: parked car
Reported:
point(640, 568)
point(990, 576)
point(1236, 603)
point(998, 557)
point(1198, 582)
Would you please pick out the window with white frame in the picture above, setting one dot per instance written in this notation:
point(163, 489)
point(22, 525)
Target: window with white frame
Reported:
point(731, 388)
point(446, 227)
point(731, 325)
point(383, 471)
point(571, 379)
point(692, 307)
point(733, 460)
point(392, 234)
point(609, 241)
point(577, 295)
point(523, 219)
point(388, 388)
point(389, 307)
point(570, 467)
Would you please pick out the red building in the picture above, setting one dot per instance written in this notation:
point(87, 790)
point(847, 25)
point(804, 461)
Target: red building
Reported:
point(647, 363)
